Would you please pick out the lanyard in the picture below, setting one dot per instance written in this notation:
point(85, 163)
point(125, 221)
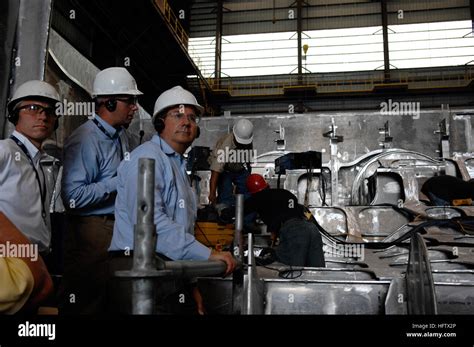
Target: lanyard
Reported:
point(42, 187)
point(116, 136)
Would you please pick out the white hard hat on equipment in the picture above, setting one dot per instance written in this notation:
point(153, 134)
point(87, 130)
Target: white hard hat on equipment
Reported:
point(114, 81)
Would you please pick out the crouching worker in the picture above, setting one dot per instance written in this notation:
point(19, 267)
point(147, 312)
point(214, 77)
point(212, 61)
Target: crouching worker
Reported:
point(300, 242)
point(449, 191)
point(175, 117)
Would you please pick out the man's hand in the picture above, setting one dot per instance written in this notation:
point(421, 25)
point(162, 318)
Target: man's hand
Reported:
point(212, 198)
point(225, 257)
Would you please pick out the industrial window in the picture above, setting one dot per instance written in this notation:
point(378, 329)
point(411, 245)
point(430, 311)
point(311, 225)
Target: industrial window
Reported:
point(248, 55)
point(334, 50)
point(259, 54)
point(337, 50)
point(431, 44)
point(202, 51)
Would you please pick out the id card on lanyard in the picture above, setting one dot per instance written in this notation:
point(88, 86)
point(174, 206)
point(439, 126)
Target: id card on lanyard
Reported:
point(116, 136)
point(42, 187)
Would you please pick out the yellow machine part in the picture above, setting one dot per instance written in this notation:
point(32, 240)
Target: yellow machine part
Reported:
point(462, 202)
point(211, 234)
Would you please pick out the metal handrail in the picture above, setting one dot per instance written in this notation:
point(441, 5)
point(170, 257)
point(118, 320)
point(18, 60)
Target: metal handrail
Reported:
point(173, 21)
point(398, 78)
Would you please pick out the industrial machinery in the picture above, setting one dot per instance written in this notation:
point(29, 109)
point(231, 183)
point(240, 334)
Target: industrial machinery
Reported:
point(376, 253)
point(388, 250)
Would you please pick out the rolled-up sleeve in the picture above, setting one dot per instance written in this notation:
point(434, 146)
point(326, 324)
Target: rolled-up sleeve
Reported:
point(216, 160)
point(215, 164)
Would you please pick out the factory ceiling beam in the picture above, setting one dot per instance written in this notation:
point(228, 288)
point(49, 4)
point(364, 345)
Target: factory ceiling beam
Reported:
point(218, 58)
point(299, 29)
point(471, 5)
point(386, 58)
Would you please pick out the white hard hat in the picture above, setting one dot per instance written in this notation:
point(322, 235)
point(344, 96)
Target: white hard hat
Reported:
point(113, 81)
point(243, 131)
point(175, 96)
point(33, 89)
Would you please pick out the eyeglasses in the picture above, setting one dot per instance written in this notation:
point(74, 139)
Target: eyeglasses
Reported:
point(191, 117)
point(132, 100)
point(38, 109)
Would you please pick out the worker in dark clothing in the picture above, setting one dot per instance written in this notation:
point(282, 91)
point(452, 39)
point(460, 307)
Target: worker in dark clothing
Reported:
point(300, 242)
point(448, 191)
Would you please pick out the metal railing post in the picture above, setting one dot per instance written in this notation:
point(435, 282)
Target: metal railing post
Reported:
point(238, 275)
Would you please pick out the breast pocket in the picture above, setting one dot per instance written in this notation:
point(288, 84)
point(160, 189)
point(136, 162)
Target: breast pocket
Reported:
point(108, 157)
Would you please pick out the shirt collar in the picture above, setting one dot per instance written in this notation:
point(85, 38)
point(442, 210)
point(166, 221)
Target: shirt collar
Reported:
point(164, 146)
point(32, 149)
point(110, 129)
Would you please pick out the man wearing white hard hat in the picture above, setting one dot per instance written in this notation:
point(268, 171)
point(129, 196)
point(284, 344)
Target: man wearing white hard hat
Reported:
point(230, 170)
point(24, 195)
point(92, 154)
point(175, 117)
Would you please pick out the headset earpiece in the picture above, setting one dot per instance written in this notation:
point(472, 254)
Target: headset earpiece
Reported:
point(159, 124)
point(111, 105)
point(198, 132)
point(14, 116)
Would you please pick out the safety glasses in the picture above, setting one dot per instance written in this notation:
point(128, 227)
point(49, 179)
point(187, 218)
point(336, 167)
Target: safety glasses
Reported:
point(132, 100)
point(38, 109)
point(192, 117)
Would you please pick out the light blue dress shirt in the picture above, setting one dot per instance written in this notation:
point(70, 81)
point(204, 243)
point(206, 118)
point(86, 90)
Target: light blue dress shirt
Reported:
point(175, 203)
point(20, 197)
point(91, 159)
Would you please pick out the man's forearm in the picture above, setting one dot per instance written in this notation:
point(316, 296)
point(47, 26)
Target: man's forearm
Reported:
point(213, 182)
